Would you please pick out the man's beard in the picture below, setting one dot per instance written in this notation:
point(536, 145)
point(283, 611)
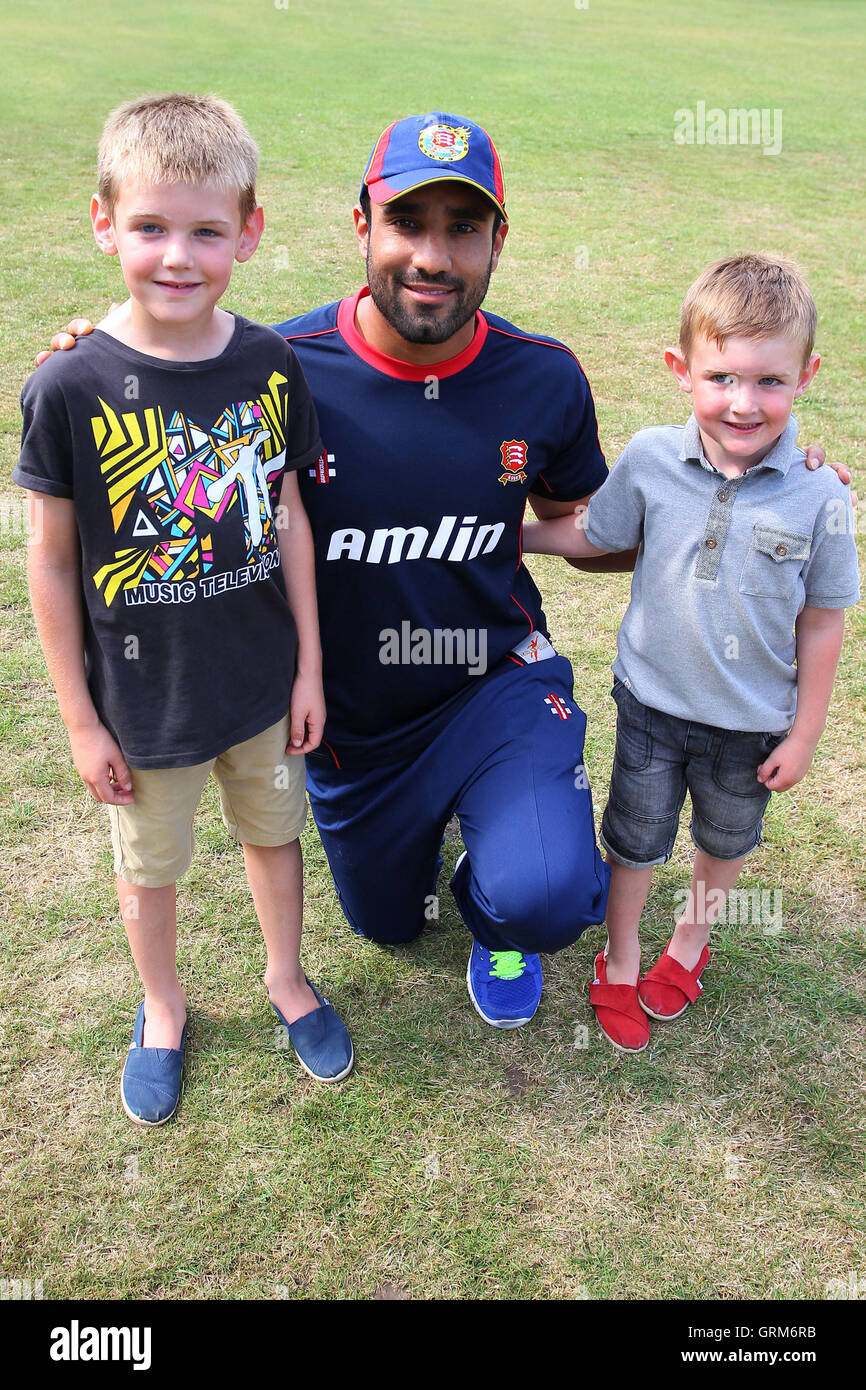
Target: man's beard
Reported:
point(422, 325)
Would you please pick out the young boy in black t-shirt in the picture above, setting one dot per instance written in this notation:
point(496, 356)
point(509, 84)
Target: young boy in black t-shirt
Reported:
point(171, 566)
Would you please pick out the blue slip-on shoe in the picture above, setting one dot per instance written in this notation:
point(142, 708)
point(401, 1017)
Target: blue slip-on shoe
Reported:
point(150, 1083)
point(321, 1040)
point(504, 986)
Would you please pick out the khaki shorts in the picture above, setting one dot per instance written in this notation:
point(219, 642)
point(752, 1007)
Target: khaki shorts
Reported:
point(261, 797)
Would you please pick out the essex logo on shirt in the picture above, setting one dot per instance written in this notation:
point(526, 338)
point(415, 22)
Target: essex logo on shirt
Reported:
point(557, 706)
point(513, 453)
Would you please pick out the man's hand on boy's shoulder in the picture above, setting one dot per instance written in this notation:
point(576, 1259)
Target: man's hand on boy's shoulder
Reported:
point(815, 456)
point(61, 342)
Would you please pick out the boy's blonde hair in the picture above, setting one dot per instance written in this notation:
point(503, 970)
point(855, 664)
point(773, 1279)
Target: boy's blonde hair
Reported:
point(753, 296)
point(177, 138)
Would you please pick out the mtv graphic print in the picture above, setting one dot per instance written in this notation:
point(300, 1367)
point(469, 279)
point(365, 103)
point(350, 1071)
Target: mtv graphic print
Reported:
point(169, 480)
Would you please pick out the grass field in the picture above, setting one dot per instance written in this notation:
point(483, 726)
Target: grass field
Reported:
point(727, 1160)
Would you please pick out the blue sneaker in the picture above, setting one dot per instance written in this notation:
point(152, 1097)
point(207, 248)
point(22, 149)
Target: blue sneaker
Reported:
point(150, 1083)
point(504, 986)
point(321, 1040)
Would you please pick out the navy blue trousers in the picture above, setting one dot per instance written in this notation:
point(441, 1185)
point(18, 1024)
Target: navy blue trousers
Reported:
point(510, 766)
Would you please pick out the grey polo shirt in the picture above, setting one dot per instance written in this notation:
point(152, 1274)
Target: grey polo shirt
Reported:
point(724, 567)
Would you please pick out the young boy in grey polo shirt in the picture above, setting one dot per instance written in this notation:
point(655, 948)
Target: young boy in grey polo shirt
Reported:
point(746, 563)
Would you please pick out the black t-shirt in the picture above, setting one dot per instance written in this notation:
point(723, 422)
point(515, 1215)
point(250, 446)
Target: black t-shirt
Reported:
point(175, 470)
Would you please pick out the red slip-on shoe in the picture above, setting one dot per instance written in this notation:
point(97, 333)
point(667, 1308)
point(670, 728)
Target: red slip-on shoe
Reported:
point(618, 1011)
point(666, 991)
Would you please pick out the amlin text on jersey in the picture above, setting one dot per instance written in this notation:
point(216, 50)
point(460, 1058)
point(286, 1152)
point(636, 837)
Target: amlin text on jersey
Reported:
point(469, 540)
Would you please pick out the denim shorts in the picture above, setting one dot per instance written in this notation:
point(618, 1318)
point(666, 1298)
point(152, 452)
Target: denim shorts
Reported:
point(657, 758)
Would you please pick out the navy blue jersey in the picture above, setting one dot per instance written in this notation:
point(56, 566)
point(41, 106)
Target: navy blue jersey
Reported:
point(416, 507)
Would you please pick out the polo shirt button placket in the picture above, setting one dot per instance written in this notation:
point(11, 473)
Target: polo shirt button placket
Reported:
point(718, 522)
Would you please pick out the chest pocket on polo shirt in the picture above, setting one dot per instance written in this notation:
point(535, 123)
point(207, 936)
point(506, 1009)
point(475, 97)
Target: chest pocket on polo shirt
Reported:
point(774, 562)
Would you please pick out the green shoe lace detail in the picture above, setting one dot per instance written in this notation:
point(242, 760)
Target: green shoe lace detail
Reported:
point(507, 965)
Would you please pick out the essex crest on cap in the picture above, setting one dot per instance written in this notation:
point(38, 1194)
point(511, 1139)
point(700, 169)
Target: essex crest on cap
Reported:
point(440, 141)
point(417, 150)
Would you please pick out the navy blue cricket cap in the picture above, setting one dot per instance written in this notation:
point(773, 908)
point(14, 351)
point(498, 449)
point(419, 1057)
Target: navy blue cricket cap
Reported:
point(420, 149)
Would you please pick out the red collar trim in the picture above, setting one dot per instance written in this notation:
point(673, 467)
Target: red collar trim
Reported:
point(393, 366)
